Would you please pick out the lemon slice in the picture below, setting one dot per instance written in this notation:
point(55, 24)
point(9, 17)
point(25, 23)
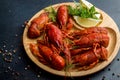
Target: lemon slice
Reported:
point(86, 22)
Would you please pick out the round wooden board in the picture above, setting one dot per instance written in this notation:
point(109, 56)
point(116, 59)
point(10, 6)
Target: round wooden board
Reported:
point(113, 46)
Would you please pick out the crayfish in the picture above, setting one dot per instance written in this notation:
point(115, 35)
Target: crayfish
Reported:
point(55, 37)
point(90, 58)
point(37, 25)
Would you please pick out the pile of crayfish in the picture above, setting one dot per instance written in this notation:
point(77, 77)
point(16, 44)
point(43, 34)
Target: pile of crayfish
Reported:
point(59, 44)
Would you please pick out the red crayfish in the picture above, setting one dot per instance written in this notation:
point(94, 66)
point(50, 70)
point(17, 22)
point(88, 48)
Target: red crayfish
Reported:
point(90, 58)
point(37, 24)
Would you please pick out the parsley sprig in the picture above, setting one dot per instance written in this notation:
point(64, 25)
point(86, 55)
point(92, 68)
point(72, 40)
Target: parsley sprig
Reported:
point(82, 11)
point(52, 13)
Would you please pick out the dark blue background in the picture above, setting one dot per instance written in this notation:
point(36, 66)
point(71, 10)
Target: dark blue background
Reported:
point(13, 14)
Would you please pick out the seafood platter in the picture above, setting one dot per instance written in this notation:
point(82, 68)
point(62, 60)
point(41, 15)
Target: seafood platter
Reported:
point(71, 39)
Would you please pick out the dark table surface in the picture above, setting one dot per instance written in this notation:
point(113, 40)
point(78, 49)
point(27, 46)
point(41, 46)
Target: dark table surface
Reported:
point(13, 14)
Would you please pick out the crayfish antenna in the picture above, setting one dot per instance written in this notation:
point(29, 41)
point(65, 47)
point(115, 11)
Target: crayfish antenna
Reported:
point(66, 51)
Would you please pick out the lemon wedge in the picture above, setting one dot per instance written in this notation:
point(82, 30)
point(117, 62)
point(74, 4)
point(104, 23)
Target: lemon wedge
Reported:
point(86, 22)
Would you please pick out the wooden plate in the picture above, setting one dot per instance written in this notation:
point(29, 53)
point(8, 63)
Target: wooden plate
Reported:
point(113, 46)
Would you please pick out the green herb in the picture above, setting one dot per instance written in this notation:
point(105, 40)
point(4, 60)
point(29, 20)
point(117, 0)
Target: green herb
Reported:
point(68, 66)
point(52, 13)
point(73, 11)
point(67, 69)
point(82, 11)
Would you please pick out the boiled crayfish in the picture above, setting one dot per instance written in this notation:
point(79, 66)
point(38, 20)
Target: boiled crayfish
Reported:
point(62, 44)
point(55, 37)
point(90, 58)
point(37, 24)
